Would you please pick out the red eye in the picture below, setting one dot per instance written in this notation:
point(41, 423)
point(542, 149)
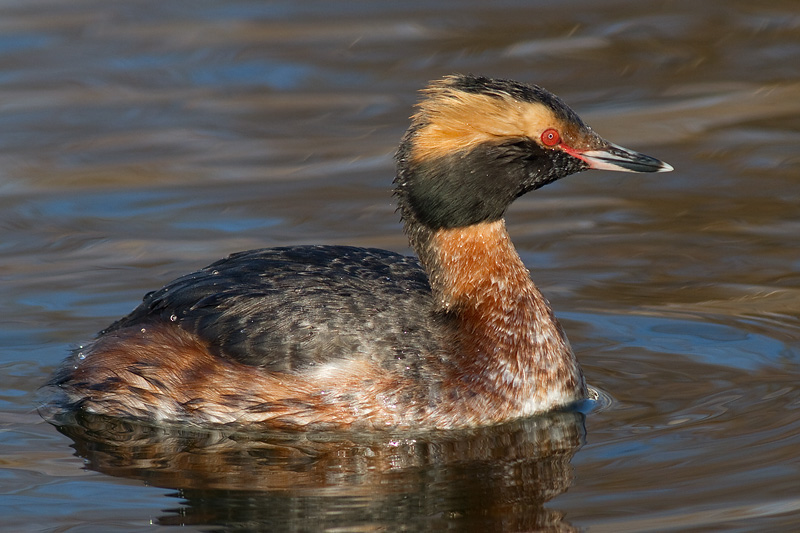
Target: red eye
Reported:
point(550, 137)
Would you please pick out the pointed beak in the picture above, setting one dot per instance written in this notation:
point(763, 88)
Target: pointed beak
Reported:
point(613, 157)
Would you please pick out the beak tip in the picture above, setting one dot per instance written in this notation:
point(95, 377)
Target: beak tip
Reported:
point(665, 167)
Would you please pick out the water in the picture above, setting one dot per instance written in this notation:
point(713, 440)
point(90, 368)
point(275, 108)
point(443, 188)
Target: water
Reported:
point(143, 140)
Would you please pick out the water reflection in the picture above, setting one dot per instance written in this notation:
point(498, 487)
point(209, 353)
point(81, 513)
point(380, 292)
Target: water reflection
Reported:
point(495, 478)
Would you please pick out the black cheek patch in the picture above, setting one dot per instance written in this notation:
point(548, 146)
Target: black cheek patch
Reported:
point(463, 189)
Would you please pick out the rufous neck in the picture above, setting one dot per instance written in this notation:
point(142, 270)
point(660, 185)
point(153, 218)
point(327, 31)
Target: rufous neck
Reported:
point(473, 265)
point(506, 330)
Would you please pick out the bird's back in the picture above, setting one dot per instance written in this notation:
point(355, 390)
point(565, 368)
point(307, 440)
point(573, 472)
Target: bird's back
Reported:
point(289, 308)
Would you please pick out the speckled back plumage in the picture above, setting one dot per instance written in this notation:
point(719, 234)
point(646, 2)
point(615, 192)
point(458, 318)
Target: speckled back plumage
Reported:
point(285, 309)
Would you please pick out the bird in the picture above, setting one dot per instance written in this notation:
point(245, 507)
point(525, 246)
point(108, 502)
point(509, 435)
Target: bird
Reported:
point(340, 337)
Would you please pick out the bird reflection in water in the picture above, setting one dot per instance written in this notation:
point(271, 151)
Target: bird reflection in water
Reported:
point(494, 478)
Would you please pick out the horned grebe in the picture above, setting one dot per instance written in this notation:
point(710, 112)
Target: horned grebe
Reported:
point(336, 336)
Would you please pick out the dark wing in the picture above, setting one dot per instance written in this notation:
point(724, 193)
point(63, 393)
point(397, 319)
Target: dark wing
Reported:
point(293, 307)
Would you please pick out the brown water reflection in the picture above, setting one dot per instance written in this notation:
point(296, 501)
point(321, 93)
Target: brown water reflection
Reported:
point(485, 479)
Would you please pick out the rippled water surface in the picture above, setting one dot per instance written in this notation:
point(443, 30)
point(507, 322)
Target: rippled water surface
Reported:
point(144, 139)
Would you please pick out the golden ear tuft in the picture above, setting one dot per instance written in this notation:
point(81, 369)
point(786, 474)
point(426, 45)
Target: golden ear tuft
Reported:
point(450, 120)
